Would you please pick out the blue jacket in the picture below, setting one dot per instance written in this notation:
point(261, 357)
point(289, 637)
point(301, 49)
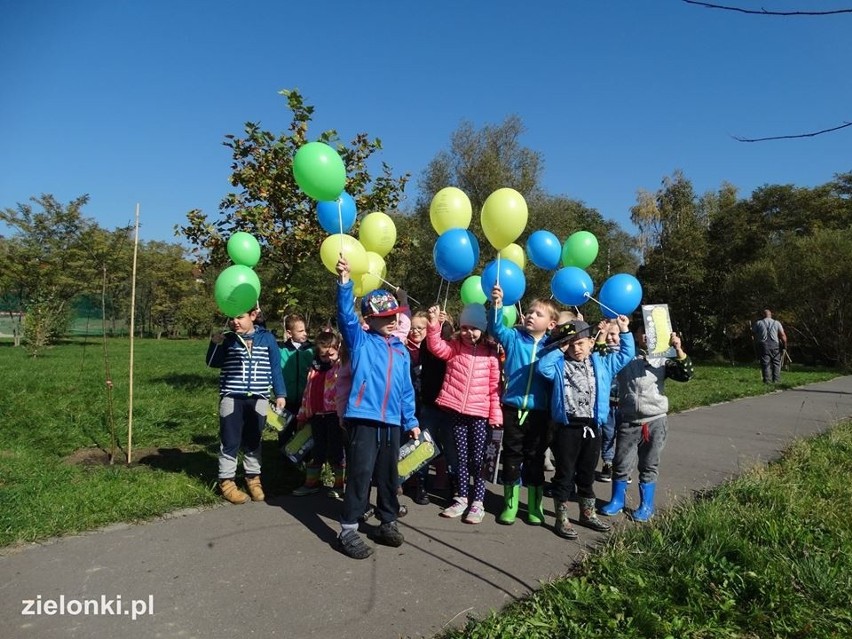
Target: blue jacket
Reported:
point(381, 370)
point(524, 389)
point(605, 367)
point(247, 373)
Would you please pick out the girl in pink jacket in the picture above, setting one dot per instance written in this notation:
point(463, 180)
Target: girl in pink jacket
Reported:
point(471, 395)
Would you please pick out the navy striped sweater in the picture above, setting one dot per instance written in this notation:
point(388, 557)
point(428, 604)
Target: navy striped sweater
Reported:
point(246, 373)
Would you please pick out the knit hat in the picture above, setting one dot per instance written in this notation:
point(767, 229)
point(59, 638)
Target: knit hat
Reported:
point(473, 315)
point(379, 303)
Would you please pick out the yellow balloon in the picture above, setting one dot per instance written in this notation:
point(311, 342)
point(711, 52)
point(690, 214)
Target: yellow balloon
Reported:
point(352, 250)
point(450, 209)
point(504, 217)
point(514, 253)
point(377, 233)
point(376, 264)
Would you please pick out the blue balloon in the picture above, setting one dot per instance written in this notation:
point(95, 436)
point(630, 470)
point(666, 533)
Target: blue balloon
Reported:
point(455, 255)
point(544, 250)
point(621, 294)
point(336, 213)
point(572, 286)
point(512, 280)
point(475, 244)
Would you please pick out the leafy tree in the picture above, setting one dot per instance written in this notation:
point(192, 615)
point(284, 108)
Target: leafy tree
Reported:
point(268, 204)
point(673, 238)
point(55, 254)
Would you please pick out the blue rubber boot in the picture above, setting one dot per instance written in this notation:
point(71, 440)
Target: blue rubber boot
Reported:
point(616, 503)
point(646, 505)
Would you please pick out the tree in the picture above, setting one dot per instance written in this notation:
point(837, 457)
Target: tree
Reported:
point(55, 254)
point(673, 240)
point(269, 205)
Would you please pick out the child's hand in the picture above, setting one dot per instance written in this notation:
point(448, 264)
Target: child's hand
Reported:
point(415, 432)
point(342, 269)
point(280, 403)
point(401, 296)
point(623, 323)
point(217, 338)
point(674, 340)
point(434, 314)
point(497, 296)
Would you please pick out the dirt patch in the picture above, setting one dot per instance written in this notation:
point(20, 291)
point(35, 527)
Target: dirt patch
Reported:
point(151, 456)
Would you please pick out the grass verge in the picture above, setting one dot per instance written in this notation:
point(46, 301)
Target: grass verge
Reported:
point(765, 555)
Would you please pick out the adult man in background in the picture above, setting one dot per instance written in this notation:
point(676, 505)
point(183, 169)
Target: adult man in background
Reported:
point(771, 342)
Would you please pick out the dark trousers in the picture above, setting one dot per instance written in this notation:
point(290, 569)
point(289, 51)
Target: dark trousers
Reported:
point(372, 452)
point(328, 440)
point(576, 449)
point(524, 445)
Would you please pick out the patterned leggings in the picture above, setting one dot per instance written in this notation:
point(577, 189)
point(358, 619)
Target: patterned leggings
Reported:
point(470, 434)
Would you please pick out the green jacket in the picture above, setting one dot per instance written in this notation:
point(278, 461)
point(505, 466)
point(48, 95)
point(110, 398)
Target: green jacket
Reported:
point(295, 362)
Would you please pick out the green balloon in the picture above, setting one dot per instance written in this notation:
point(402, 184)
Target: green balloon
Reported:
point(319, 171)
point(510, 316)
point(471, 291)
point(237, 290)
point(580, 250)
point(244, 249)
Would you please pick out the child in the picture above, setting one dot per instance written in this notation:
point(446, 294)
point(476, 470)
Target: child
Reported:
point(642, 426)
point(608, 342)
point(414, 340)
point(579, 405)
point(525, 417)
point(251, 367)
point(296, 357)
point(471, 394)
point(380, 405)
point(319, 407)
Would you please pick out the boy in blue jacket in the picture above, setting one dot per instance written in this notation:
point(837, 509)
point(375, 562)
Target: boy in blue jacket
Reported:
point(526, 422)
point(581, 381)
point(380, 406)
point(249, 380)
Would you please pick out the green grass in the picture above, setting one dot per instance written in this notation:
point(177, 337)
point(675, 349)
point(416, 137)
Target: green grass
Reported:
point(766, 555)
point(56, 405)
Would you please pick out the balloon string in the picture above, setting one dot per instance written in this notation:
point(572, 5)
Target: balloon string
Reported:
point(340, 221)
point(396, 288)
point(446, 295)
point(601, 304)
point(440, 288)
point(497, 281)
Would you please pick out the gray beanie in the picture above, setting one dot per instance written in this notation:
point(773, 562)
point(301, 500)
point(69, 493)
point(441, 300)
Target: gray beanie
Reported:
point(473, 315)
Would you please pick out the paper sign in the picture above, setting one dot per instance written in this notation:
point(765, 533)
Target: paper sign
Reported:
point(658, 330)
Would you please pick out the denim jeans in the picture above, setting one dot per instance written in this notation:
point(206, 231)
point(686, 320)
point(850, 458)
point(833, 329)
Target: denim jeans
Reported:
point(608, 436)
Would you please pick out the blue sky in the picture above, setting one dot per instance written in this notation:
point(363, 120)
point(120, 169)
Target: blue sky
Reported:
point(129, 101)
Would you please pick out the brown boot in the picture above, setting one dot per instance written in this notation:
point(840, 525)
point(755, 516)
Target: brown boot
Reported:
point(232, 493)
point(255, 489)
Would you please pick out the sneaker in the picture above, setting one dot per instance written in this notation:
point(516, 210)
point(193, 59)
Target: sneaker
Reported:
point(351, 545)
point(335, 493)
point(367, 514)
point(301, 491)
point(606, 473)
point(402, 512)
point(456, 509)
point(421, 497)
point(231, 493)
point(389, 535)
point(475, 514)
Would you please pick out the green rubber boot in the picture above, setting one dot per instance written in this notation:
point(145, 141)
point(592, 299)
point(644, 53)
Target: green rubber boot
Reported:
point(535, 514)
point(510, 512)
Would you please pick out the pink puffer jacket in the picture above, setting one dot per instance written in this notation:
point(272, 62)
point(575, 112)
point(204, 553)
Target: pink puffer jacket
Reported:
point(472, 381)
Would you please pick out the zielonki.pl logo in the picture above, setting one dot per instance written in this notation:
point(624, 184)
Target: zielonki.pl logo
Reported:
point(96, 606)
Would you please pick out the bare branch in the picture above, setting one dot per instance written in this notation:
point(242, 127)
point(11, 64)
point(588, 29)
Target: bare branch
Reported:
point(764, 12)
point(790, 137)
